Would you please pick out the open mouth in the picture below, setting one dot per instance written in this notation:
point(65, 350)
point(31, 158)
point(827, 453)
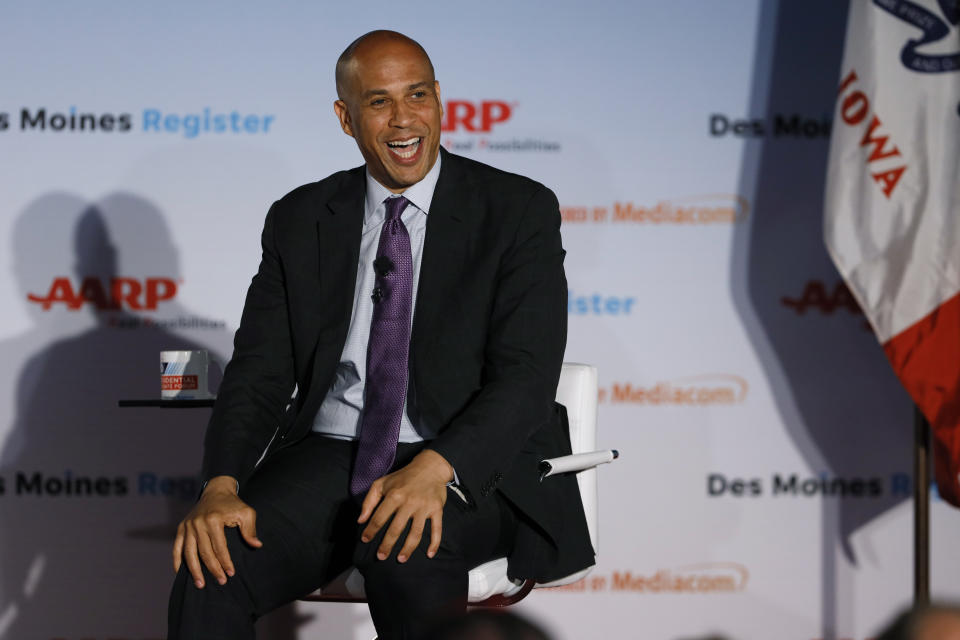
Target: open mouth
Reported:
point(405, 149)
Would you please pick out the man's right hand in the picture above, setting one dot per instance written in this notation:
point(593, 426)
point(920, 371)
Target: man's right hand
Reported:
point(200, 536)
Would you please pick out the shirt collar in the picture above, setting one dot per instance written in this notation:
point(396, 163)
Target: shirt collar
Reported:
point(419, 194)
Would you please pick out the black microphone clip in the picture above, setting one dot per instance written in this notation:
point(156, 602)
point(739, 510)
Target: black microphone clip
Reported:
point(383, 266)
point(377, 295)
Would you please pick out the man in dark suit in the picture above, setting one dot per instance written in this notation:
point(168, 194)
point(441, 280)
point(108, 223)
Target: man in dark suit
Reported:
point(409, 348)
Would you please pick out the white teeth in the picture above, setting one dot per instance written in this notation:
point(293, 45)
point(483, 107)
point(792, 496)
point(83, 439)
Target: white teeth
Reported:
point(404, 143)
point(409, 147)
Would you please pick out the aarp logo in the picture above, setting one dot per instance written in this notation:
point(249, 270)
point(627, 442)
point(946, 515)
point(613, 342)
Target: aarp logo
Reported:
point(107, 295)
point(475, 117)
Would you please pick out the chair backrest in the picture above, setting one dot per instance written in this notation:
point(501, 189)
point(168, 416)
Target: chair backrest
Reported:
point(577, 392)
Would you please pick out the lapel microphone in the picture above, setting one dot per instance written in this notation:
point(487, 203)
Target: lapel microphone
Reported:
point(382, 266)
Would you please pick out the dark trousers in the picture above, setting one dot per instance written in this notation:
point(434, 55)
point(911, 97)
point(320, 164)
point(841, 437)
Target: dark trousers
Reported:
point(308, 524)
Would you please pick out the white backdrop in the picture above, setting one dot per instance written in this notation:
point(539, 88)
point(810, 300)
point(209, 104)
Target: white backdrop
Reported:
point(763, 489)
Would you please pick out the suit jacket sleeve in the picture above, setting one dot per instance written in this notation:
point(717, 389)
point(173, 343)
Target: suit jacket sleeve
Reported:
point(259, 380)
point(523, 354)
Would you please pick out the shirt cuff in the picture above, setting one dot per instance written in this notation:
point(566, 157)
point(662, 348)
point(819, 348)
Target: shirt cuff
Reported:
point(454, 485)
point(456, 480)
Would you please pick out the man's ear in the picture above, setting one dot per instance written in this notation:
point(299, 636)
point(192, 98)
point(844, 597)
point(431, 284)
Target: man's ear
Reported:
point(340, 108)
point(436, 88)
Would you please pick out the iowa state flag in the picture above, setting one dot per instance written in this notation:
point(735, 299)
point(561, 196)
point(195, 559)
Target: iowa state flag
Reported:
point(893, 200)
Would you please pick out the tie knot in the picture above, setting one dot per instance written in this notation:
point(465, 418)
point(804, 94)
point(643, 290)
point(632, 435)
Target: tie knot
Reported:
point(395, 207)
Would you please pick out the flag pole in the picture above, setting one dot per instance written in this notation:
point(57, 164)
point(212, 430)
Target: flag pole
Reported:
point(921, 509)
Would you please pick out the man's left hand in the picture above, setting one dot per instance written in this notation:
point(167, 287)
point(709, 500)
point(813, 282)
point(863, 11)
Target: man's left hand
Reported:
point(414, 494)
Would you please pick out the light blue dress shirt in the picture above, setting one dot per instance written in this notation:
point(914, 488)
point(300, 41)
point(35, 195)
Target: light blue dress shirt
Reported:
point(342, 409)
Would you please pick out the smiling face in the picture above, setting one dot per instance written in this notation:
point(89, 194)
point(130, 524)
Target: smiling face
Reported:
point(390, 104)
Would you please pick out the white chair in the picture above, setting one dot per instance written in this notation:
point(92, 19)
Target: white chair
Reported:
point(489, 585)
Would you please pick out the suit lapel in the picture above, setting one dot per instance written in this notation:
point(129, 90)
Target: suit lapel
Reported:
point(339, 226)
point(444, 248)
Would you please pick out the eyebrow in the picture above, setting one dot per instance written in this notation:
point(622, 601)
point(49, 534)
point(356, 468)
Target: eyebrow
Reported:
point(383, 92)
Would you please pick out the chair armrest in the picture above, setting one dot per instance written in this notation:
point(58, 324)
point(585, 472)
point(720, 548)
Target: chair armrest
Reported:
point(576, 462)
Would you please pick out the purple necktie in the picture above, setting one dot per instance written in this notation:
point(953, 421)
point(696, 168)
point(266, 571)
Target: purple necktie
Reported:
point(385, 387)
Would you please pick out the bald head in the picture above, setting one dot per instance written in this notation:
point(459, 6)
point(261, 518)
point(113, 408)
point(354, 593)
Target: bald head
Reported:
point(366, 44)
point(389, 102)
point(931, 622)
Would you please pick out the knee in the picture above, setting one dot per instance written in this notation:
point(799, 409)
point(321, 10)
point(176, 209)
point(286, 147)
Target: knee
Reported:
point(418, 574)
point(387, 573)
point(232, 590)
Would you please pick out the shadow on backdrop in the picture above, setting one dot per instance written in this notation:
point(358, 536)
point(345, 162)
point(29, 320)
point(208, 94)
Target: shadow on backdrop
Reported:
point(92, 493)
point(837, 395)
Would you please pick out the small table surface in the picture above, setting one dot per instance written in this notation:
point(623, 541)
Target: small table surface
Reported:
point(173, 403)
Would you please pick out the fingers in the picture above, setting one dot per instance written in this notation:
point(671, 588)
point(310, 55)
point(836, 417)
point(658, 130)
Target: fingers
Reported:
point(396, 527)
point(206, 553)
point(436, 531)
point(405, 497)
point(201, 540)
point(380, 517)
point(370, 501)
point(413, 538)
point(178, 548)
point(190, 557)
point(218, 544)
point(248, 527)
